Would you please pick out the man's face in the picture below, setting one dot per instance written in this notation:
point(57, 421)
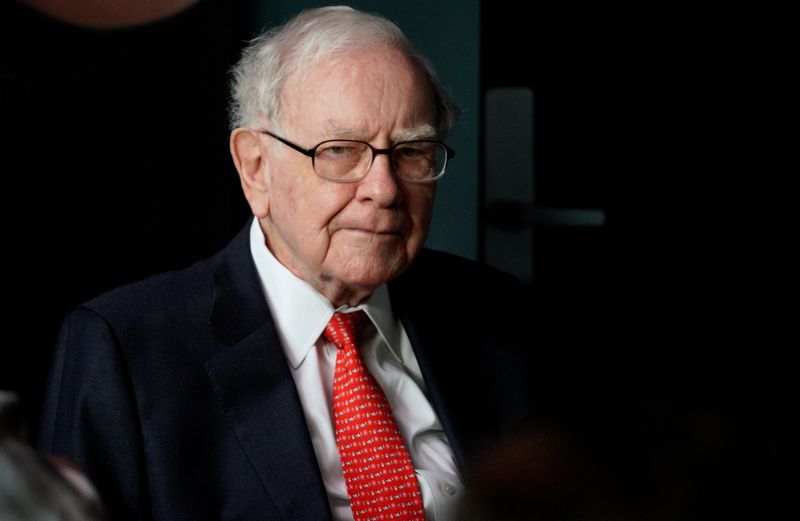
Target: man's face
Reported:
point(345, 239)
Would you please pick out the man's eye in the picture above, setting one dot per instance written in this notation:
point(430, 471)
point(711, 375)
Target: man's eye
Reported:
point(411, 152)
point(414, 152)
point(339, 152)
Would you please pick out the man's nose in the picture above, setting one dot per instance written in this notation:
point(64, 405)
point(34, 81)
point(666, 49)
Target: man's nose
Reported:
point(380, 185)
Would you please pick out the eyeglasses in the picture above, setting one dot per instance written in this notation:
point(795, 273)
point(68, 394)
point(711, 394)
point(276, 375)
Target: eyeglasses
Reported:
point(347, 160)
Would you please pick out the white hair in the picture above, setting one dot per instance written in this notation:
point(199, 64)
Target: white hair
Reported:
point(271, 58)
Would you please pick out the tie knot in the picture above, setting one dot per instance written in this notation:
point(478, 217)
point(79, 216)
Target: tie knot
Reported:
point(344, 328)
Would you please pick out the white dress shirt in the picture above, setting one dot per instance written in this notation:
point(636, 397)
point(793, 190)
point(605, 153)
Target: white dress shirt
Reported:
point(301, 314)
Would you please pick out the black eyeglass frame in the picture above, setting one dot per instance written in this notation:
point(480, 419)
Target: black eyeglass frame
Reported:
point(312, 153)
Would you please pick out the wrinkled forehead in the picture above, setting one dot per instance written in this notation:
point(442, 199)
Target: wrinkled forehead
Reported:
point(347, 93)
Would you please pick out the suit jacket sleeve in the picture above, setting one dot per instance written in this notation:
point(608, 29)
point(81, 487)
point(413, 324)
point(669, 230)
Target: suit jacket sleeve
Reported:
point(90, 414)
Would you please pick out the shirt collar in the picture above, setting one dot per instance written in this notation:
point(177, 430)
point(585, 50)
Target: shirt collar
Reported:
point(301, 312)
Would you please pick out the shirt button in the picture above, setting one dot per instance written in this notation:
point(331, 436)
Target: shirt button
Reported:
point(448, 489)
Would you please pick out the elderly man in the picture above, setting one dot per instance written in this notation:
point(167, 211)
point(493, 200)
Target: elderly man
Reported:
point(323, 365)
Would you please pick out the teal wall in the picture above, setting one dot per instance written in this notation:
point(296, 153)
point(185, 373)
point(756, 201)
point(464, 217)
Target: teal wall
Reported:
point(447, 32)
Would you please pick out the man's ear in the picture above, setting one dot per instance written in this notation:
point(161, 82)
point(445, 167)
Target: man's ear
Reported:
point(248, 157)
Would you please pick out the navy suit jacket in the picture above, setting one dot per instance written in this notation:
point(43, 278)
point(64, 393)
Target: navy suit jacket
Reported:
point(174, 395)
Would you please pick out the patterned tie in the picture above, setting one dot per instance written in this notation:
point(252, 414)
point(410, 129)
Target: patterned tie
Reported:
point(377, 469)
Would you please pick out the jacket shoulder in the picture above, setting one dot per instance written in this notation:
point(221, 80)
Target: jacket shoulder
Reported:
point(448, 274)
point(166, 292)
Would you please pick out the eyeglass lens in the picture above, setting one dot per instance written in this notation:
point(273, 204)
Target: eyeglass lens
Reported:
point(344, 160)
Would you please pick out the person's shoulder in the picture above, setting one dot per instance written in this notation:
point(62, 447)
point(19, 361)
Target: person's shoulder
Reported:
point(168, 292)
point(176, 290)
point(443, 268)
point(446, 279)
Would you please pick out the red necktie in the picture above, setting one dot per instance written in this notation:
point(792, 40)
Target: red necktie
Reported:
point(377, 469)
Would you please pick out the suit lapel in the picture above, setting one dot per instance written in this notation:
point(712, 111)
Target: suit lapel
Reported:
point(424, 341)
point(463, 368)
point(251, 378)
point(432, 339)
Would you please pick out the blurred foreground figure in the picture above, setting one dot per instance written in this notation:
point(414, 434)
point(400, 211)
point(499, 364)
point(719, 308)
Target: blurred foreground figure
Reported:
point(109, 14)
point(32, 487)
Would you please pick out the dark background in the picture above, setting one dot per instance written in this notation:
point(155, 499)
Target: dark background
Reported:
point(667, 354)
point(670, 342)
point(114, 164)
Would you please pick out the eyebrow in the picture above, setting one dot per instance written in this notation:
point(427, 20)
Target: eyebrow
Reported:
point(423, 131)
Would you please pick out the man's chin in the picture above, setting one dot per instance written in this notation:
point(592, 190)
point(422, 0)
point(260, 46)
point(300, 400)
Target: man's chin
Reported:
point(370, 272)
point(371, 279)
